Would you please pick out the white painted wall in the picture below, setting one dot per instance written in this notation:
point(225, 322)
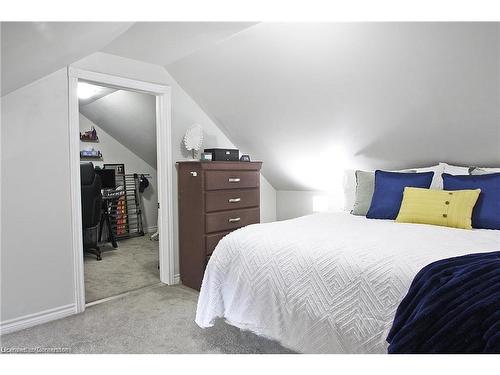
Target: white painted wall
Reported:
point(114, 152)
point(294, 203)
point(36, 255)
point(268, 201)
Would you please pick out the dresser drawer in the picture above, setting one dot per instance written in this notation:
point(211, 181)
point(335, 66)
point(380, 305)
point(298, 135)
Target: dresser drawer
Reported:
point(218, 200)
point(212, 240)
point(218, 180)
point(227, 220)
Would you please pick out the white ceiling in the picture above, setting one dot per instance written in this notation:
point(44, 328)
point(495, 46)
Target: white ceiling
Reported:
point(128, 117)
point(162, 43)
point(101, 91)
point(31, 50)
point(312, 99)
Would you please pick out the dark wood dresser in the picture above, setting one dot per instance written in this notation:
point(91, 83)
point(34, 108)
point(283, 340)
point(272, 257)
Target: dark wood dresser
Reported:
point(215, 198)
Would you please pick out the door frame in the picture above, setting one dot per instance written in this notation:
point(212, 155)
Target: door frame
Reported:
point(164, 169)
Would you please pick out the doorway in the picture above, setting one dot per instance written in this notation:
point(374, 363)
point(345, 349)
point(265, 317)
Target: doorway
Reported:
point(136, 186)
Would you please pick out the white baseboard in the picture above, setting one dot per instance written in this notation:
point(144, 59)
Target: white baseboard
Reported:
point(35, 319)
point(177, 278)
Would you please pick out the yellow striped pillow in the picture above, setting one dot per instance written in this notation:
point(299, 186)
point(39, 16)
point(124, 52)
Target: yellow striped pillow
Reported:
point(438, 207)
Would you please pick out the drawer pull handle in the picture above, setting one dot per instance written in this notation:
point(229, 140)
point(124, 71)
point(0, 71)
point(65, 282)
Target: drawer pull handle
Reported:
point(234, 200)
point(232, 179)
point(234, 219)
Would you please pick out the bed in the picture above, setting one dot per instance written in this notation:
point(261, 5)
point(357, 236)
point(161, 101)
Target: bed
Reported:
point(325, 283)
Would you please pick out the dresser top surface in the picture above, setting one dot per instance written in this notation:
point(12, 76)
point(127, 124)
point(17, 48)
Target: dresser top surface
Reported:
point(222, 165)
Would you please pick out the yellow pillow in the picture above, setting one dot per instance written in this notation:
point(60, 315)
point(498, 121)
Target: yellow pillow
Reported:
point(438, 207)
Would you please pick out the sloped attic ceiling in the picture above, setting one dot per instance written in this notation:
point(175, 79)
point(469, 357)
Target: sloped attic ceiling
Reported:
point(312, 99)
point(31, 50)
point(162, 43)
point(130, 118)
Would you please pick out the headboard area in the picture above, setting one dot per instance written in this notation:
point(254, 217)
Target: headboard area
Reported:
point(438, 168)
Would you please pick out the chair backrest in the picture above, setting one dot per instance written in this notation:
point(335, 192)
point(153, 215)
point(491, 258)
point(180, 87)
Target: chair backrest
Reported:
point(91, 195)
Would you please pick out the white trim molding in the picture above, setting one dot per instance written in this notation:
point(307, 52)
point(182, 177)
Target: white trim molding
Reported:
point(177, 278)
point(32, 320)
point(76, 208)
point(164, 163)
point(118, 82)
point(165, 196)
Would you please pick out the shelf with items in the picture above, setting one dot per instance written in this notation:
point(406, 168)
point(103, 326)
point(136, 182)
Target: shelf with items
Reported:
point(89, 136)
point(91, 158)
point(90, 154)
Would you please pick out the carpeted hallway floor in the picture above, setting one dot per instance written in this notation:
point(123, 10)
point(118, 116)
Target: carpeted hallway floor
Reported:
point(133, 265)
point(158, 319)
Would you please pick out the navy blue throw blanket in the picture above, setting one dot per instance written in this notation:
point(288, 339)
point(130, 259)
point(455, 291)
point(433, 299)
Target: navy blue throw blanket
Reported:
point(453, 306)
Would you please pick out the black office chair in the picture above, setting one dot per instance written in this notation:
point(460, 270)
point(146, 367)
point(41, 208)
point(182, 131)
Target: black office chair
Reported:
point(91, 207)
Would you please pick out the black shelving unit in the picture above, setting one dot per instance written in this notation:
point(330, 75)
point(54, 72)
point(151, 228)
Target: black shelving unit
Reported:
point(126, 212)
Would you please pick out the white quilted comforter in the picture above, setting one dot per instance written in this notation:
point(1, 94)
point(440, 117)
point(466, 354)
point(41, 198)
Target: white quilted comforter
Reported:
point(325, 283)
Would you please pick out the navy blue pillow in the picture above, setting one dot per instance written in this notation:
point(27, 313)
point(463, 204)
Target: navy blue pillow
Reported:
point(388, 194)
point(486, 214)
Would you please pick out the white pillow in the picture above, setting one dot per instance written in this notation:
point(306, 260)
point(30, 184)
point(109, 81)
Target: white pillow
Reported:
point(437, 180)
point(483, 170)
point(454, 169)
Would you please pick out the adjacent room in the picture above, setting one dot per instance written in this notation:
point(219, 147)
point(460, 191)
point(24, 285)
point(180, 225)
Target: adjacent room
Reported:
point(118, 173)
point(250, 187)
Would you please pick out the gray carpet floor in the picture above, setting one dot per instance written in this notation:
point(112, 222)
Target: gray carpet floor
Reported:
point(157, 319)
point(133, 265)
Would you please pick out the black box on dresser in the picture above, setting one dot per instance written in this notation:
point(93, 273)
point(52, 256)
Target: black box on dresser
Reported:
point(224, 154)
